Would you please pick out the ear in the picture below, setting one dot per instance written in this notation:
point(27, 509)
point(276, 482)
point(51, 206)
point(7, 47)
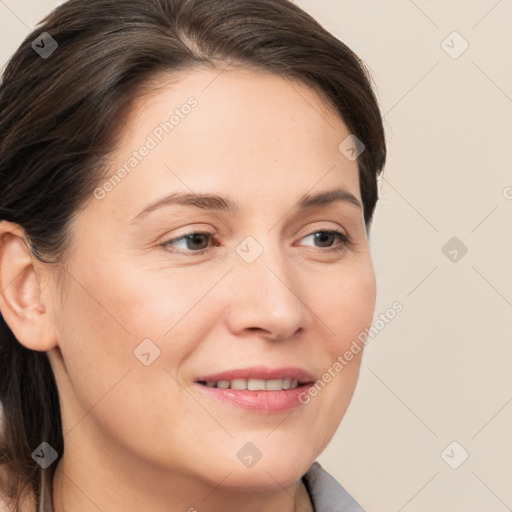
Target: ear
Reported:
point(21, 301)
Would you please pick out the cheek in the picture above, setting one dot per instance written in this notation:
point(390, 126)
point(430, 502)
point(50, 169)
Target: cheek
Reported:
point(95, 343)
point(348, 305)
point(116, 306)
point(106, 315)
point(110, 309)
point(347, 309)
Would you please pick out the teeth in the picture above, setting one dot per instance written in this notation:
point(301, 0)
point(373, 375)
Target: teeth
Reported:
point(273, 385)
point(254, 384)
point(239, 384)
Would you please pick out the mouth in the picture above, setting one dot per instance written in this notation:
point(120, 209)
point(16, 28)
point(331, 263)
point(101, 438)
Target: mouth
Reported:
point(254, 384)
point(258, 389)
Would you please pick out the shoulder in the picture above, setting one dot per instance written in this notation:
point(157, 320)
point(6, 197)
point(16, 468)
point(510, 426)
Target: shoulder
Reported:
point(326, 493)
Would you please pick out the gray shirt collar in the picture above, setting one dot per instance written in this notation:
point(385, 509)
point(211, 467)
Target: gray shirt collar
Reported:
point(326, 494)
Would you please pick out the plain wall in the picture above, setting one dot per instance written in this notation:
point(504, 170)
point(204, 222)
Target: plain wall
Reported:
point(440, 371)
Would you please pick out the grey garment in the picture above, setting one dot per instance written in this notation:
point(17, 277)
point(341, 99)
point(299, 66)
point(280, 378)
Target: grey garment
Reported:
point(326, 494)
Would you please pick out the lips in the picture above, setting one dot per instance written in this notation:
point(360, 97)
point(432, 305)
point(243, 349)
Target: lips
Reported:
point(259, 389)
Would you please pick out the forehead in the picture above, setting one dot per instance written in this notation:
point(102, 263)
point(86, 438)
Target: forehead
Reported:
point(247, 105)
point(234, 83)
point(258, 135)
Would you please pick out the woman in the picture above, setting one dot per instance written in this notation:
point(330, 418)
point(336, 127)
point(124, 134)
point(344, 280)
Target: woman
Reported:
point(186, 193)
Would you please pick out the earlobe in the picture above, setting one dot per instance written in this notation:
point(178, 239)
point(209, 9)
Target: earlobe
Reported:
point(21, 302)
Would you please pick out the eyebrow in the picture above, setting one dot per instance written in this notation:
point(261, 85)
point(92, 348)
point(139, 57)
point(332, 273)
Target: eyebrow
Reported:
point(214, 202)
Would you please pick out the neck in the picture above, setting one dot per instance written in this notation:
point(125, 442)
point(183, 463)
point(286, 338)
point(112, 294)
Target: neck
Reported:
point(111, 485)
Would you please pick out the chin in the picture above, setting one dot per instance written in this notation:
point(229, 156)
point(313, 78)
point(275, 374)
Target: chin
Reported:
point(276, 472)
point(265, 463)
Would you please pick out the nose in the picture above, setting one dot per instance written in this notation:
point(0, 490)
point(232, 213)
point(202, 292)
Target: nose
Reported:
point(266, 297)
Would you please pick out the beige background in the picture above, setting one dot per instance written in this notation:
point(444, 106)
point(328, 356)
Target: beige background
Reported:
point(441, 370)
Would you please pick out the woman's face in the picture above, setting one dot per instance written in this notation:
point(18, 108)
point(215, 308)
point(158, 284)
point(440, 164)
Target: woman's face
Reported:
point(264, 292)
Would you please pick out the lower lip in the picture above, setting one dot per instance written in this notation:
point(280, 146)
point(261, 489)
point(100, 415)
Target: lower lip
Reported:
point(262, 401)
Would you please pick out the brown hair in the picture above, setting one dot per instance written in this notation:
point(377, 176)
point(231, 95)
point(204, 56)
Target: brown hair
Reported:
point(60, 118)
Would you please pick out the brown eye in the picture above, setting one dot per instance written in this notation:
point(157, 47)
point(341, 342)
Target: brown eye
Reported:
point(326, 237)
point(196, 242)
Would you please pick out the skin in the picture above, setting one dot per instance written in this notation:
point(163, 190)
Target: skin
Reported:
point(145, 437)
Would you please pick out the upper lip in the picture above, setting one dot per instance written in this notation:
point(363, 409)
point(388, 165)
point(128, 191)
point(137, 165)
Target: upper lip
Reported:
point(260, 372)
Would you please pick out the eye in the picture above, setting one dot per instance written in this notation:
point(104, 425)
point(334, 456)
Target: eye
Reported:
point(323, 237)
point(193, 242)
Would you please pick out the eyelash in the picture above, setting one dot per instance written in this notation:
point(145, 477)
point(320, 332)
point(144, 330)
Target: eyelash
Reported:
point(345, 239)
